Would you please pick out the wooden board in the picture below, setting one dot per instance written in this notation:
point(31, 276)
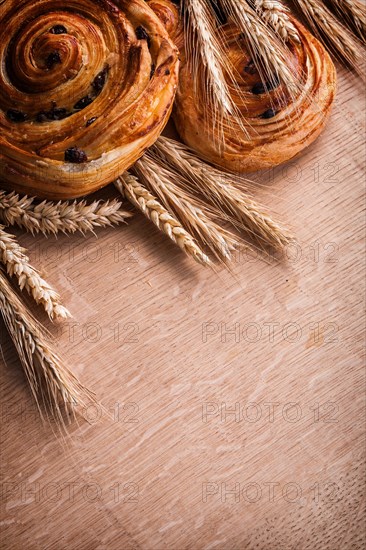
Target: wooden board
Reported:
point(236, 399)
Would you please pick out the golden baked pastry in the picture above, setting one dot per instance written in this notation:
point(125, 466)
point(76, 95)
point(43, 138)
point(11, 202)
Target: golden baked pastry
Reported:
point(85, 87)
point(277, 124)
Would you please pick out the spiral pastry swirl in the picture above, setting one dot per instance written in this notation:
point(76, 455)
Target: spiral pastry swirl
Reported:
point(275, 123)
point(85, 87)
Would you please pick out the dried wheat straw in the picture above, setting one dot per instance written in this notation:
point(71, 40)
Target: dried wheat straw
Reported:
point(211, 70)
point(269, 54)
point(219, 187)
point(334, 33)
point(14, 258)
point(198, 218)
point(52, 218)
point(140, 197)
point(353, 14)
point(51, 382)
point(203, 48)
point(275, 14)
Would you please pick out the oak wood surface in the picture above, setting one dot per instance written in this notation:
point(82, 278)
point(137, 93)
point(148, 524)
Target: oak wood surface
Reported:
point(234, 402)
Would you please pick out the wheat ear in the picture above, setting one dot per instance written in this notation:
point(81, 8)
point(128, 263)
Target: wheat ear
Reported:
point(195, 215)
point(203, 48)
point(52, 218)
point(269, 54)
point(340, 41)
point(14, 258)
point(139, 196)
point(220, 188)
point(275, 14)
point(353, 14)
point(51, 382)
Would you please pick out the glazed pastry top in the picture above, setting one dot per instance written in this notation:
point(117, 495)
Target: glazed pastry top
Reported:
point(84, 90)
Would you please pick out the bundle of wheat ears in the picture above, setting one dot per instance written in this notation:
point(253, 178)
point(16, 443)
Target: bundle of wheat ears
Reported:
point(251, 77)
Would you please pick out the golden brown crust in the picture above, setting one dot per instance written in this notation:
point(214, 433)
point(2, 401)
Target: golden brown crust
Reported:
point(168, 14)
point(278, 124)
point(98, 75)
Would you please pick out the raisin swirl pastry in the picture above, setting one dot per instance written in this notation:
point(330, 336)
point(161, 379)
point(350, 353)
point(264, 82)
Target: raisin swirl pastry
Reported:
point(85, 87)
point(277, 124)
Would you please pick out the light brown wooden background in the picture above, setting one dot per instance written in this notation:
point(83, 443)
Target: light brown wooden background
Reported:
point(149, 338)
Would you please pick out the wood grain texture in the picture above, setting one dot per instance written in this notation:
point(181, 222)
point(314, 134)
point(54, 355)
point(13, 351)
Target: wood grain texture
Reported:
point(151, 336)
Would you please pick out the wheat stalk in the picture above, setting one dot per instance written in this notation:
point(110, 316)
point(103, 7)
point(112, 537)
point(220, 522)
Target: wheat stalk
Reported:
point(52, 218)
point(352, 13)
point(219, 187)
point(14, 258)
point(203, 48)
point(269, 54)
point(339, 39)
point(198, 218)
point(50, 380)
point(139, 196)
point(211, 70)
point(275, 14)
